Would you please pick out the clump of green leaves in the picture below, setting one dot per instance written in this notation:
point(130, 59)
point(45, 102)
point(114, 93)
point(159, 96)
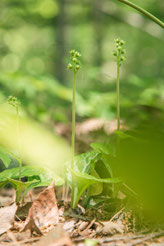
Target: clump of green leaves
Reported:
point(75, 66)
point(119, 53)
point(36, 177)
point(92, 175)
point(14, 102)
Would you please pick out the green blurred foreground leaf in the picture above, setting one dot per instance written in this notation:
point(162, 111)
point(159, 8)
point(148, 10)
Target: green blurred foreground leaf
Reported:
point(4, 157)
point(39, 146)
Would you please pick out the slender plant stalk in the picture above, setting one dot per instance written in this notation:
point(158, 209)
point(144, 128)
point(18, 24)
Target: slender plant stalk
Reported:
point(75, 66)
point(19, 142)
point(73, 117)
point(118, 94)
point(143, 11)
point(13, 101)
point(119, 53)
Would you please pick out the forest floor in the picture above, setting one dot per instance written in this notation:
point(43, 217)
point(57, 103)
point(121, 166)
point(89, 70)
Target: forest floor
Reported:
point(42, 219)
point(48, 222)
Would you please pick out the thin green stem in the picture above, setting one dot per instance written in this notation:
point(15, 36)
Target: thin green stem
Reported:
point(73, 118)
point(143, 11)
point(118, 93)
point(18, 142)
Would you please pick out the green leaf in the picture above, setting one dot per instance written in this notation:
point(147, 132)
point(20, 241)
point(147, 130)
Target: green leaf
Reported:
point(122, 135)
point(84, 161)
point(44, 175)
point(87, 174)
point(81, 181)
point(4, 156)
point(101, 148)
point(95, 189)
point(22, 187)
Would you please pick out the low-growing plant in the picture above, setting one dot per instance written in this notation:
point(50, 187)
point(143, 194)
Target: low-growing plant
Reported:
point(119, 53)
point(92, 175)
point(35, 176)
point(32, 176)
point(75, 66)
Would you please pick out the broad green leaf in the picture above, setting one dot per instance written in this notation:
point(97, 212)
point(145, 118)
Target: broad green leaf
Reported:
point(87, 174)
point(44, 175)
point(81, 181)
point(84, 161)
point(95, 189)
point(21, 187)
point(123, 135)
point(101, 148)
point(4, 156)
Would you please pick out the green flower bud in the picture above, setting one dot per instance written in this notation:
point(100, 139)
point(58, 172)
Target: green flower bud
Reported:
point(77, 54)
point(114, 53)
point(76, 62)
point(77, 67)
point(74, 59)
point(117, 41)
point(122, 52)
point(13, 101)
point(122, 42)
point(72, 52)
point(119, 48)
point(122, 58)
point(69, 66)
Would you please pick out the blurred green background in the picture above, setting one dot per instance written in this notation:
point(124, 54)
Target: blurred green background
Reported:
point(36, 37)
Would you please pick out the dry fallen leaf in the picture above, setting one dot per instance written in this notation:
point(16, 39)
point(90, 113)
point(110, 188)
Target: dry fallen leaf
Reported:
point(110, 228)
point(69, 225)
point(56, 237)
point(7, 196)
point(7, 215)
point(43, 212)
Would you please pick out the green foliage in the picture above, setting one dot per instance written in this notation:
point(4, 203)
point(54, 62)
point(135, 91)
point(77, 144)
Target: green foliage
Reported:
point(102, 148)
point(44, 175)
point(21, 187)
point(36, 177)
point(4, 157)
point(92, 173)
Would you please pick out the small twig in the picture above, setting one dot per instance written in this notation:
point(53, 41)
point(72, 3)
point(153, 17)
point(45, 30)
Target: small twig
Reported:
point(114, 239)
point(149, 237)
point(115, 215)
point(21, 242)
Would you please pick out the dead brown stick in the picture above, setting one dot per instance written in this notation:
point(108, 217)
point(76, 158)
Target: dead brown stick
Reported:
point(148, 237)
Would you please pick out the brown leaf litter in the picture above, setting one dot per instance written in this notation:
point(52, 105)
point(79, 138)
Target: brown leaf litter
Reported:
point(43, 212)
point(7, 215)
point(7, 196)
point(43, 216)
point(56, 237)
